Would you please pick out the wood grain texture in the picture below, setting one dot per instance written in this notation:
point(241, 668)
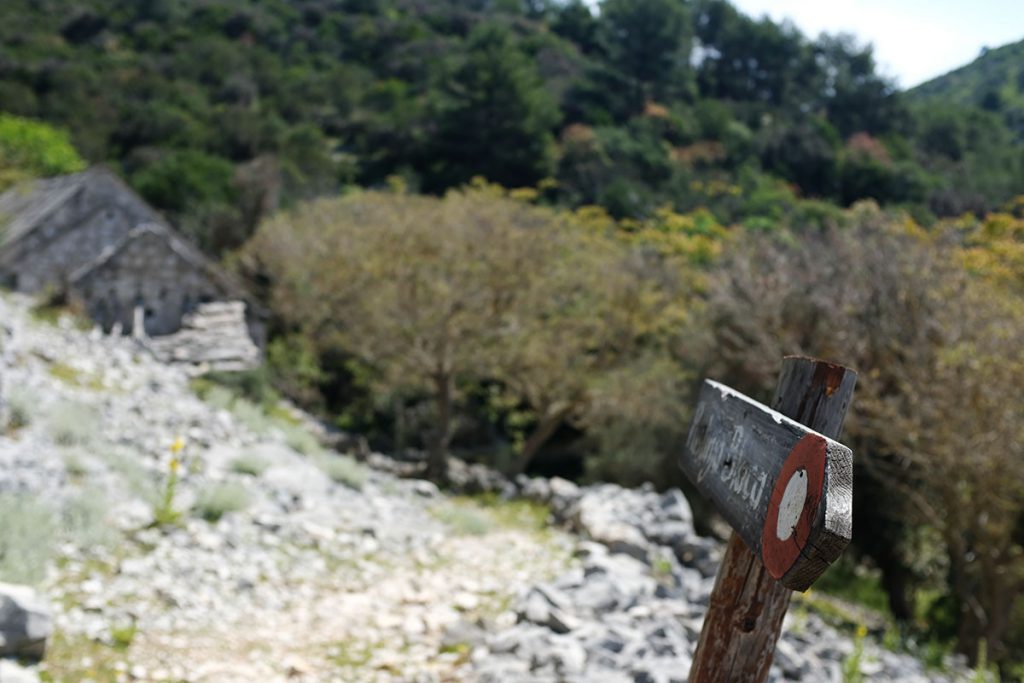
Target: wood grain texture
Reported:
point(743, 622)
point(734, 454)
point(747, 606)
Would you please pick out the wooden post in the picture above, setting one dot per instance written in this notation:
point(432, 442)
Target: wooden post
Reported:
point(747, 606)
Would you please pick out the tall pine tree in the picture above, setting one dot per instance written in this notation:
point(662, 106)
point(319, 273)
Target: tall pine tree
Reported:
point(496, 118)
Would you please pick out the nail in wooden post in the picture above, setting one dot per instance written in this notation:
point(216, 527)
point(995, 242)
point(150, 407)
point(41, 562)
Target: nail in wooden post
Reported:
point(786, 488)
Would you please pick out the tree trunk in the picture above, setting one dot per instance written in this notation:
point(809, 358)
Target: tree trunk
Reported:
point(545, 429)
point(437, 457)
point(895, 582)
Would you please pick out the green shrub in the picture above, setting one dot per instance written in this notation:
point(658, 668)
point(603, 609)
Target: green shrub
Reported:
point(53, 304)
point(251, 415)
point(850, 581)
point(164, 511)
point(72, 424)
point(223, 398)
point(214, 395)
point(851, 665)
point(122, 636)
point(185, 177)
point(218, 500)
point(125, 463)
point(295, 367)
point(300, 439)
point(22, 408)
point(26, 538)
point(74, 377)
point(464, 520)
point(253, 385)
point(74, 464)
point(250, 397)
point(343, 469)
point(511, 514)
point(252, 465)
point(84, 520)
point(29, 148)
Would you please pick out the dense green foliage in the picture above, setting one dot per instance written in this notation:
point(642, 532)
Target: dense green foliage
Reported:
point(220, 111)
point(478, 302)
point(31, 149)
point(994, 82)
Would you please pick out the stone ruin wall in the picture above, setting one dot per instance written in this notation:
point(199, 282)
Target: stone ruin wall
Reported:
point(147, 272)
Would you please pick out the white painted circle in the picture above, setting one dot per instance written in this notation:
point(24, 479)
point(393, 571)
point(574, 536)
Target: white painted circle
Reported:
point(792, 504)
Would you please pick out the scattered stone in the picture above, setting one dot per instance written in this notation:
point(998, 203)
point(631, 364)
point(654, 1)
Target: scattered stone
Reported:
point(633, 612)
point(13, 672)
point(25, 622)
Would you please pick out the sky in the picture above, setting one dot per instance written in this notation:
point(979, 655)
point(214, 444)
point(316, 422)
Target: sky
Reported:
point(915, 40)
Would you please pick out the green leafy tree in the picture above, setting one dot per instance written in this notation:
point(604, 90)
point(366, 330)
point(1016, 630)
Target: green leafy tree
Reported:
point(649, 41)
point(857, 99)
point(497, 118)
point(200, 192)
point(755, 61)
point(179, 178)
point(33, 149)
point(575, 21)
point(435, 295)
point(803, 152)
point(416, 288)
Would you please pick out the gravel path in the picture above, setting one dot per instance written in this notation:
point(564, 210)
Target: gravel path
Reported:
point(312, 580)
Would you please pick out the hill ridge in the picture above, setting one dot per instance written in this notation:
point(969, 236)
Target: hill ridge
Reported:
point(994, 81)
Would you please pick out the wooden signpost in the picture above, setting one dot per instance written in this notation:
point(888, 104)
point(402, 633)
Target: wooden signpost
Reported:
point(786, 488)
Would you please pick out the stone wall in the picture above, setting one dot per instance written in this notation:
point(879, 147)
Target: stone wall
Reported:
point(213, 337)
point(145, 272)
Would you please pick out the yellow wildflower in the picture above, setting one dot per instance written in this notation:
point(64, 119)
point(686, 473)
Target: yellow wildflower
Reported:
point(862, 630)
point(178, 445)
point(175, 463)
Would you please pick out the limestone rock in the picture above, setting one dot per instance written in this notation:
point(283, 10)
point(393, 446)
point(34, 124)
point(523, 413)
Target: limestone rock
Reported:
point(13, 672)
point(25, 622)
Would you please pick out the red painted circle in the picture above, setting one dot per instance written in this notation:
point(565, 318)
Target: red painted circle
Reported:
point(778, 556)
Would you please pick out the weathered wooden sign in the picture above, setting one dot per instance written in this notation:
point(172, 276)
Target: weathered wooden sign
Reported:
point(784, 488)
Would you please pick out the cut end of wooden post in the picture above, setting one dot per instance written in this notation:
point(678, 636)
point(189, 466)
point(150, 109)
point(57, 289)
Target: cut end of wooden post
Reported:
point(808, 524)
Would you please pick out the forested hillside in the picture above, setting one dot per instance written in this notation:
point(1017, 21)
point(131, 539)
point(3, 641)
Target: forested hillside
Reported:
point(218, 111)
point(993, 82)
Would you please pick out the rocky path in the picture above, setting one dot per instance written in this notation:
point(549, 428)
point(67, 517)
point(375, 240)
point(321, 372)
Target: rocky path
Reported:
point(180, 539)
point(329, 571)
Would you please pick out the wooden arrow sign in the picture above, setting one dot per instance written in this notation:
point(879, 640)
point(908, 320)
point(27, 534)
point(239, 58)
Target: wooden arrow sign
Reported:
point(785, 489)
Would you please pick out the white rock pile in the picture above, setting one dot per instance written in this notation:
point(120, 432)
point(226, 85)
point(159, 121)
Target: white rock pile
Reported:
point(632, 609)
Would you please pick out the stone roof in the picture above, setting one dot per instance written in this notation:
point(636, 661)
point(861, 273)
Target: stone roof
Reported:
point(25, 206)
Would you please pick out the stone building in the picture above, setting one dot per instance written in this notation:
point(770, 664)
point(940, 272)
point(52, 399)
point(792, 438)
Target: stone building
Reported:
point(50, 228)
point(155, 277)
point(90, 236)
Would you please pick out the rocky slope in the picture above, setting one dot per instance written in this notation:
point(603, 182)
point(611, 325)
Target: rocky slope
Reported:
point(179, 539)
